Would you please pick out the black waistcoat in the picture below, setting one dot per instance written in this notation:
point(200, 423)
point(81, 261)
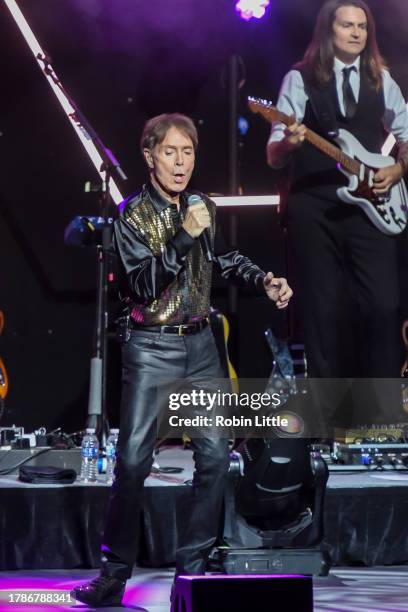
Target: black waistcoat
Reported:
point(313, 171)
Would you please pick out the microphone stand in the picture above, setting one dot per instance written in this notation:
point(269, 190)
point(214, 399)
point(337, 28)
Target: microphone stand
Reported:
point(97, 413)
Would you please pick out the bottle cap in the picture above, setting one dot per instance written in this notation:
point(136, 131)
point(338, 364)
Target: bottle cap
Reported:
point(114, 431)
point(90, 430)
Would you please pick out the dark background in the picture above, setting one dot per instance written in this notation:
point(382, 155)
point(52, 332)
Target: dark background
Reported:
point(123, 62)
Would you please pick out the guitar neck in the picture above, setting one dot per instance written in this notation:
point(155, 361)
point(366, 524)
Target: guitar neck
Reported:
point(270, 113)
point(347, 162)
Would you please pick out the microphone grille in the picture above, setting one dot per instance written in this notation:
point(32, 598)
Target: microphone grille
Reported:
point(194, 199)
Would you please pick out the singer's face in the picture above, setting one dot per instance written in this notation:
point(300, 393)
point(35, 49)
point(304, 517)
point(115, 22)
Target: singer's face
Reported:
point(171, 163)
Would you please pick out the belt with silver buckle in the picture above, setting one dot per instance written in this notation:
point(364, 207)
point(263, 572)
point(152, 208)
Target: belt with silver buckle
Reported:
point(185, 329)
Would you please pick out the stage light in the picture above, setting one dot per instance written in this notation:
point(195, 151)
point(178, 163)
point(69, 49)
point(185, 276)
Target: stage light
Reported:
point(251, 8)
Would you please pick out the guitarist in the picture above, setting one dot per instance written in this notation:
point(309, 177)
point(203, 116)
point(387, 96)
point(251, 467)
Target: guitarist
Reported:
point(342, 82)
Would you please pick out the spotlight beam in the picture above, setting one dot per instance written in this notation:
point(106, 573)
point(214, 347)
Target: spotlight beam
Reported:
point(86, 135)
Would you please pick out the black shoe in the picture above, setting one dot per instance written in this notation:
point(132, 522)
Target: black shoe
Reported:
point(101, 591)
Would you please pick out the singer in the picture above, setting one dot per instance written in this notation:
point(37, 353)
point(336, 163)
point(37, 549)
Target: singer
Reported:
point(166, 267)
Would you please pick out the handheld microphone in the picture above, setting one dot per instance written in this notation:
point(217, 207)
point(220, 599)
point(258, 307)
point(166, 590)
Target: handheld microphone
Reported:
point(204, 236)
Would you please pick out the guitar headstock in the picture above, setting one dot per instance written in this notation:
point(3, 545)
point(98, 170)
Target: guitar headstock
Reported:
point(268, 111)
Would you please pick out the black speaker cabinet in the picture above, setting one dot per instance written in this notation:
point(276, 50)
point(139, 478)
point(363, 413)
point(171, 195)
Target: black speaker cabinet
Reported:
point(242, 593)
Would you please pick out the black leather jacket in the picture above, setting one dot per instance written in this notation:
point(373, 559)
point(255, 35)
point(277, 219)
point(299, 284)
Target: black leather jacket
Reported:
point(165, 277)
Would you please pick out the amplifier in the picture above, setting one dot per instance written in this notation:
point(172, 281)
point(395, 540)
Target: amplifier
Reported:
point(371, 433)
point(372, 454)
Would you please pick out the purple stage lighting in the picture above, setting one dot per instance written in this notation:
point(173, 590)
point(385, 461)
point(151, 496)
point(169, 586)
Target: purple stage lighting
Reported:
point(251, 8)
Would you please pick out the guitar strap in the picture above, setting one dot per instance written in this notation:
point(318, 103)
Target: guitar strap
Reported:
point(322, 103)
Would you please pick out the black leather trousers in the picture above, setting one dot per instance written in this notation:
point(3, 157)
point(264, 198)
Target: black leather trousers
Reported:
point(147, 358)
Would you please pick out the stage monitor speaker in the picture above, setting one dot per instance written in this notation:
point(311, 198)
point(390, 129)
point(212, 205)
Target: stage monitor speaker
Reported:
point(242, 593)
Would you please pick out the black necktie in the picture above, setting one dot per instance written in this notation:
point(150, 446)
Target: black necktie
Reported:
point(350, 103)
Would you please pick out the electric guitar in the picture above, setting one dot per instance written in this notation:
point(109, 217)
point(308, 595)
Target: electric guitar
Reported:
point(221, 330)
point(388, 212)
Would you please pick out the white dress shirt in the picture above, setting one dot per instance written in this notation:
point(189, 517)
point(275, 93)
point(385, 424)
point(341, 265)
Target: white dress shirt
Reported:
point(293, 98)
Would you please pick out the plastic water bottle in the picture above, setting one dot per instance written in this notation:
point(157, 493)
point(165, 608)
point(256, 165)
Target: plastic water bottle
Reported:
point(111, 444)
point(89, 456)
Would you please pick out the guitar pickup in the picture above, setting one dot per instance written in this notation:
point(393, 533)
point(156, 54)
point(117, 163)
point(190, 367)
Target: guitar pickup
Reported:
point(383, 199)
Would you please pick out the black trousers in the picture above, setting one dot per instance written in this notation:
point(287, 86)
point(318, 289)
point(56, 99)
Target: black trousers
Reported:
point(346, 283)
point(346, 277)
point(147, 358)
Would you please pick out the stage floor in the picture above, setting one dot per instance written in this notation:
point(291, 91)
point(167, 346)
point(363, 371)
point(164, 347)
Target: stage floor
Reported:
point(381, 589)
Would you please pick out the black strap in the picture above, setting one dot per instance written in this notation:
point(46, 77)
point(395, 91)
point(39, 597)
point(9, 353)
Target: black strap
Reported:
point(46, 475)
